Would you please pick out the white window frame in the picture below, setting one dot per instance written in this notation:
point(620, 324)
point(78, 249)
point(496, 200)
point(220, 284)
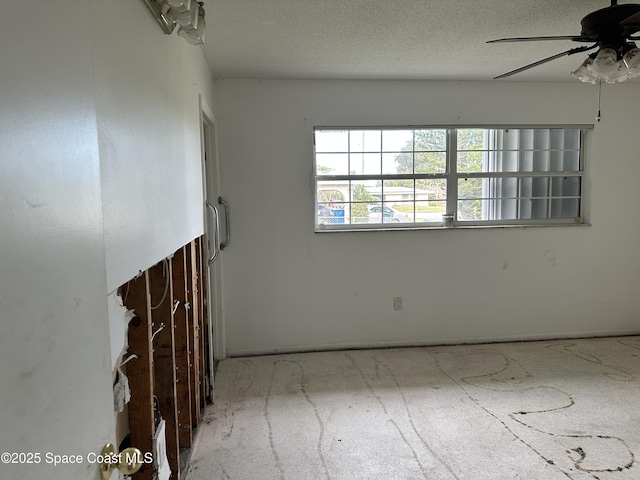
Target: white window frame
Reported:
point(452, 177)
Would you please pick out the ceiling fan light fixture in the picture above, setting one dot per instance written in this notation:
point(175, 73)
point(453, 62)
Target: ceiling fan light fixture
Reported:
point(194, 33)
point(621, 76)
point(178, 5)
point(606, 67)
point(583, 74)
point(188, 18)
point(605, 64)
point(631, 60)
point(612, 29)
point(187, 15)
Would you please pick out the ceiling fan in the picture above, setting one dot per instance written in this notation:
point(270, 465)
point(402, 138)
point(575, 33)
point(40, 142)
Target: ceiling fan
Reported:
point(609, 29)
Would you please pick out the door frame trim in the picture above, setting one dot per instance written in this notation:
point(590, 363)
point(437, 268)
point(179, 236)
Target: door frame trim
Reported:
point(217, 322)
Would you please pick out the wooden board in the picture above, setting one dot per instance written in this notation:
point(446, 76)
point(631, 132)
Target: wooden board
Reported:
point(135, 296)
point(181, 349)
point(194, 336)
point(170, 339)
point(201, 265)
point(160, 283)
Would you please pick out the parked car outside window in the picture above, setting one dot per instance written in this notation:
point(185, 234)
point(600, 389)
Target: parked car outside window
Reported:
point(384, 214)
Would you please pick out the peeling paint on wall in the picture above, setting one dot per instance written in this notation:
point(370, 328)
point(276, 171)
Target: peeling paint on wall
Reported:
point(119, 318)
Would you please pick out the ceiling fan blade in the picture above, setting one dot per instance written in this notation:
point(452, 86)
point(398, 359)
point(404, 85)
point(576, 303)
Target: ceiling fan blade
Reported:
point(584, 48)
point(632, 20)
point(575, 38)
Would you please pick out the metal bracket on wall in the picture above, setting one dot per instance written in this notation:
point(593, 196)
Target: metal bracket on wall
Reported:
point(159, 11)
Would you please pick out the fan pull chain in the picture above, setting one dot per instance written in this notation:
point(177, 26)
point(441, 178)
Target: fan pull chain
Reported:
point(599, 99)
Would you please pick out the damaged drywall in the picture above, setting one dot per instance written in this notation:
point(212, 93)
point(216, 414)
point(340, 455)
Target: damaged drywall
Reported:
point(119, 318)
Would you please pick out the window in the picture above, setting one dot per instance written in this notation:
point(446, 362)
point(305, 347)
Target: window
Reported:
point(409, 177)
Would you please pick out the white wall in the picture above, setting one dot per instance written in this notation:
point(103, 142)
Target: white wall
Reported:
point(287, 288)
point(147, 87)
point(99, 120)
point(54, 351)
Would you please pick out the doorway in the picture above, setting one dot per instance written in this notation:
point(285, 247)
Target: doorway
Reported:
point(216, 215)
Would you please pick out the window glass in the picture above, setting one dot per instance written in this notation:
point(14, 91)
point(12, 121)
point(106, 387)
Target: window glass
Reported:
point(410, 177)
point(331, 141)
point(365, 140)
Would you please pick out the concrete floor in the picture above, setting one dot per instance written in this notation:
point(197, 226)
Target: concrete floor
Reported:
point(537, 410)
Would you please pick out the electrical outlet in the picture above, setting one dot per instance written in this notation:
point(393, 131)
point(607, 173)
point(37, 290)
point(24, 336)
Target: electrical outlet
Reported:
point(397, 303)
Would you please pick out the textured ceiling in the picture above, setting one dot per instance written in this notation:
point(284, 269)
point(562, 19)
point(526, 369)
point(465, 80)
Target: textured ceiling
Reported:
point(390, 39)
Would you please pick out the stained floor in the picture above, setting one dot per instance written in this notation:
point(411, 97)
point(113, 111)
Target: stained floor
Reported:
point(566, 409)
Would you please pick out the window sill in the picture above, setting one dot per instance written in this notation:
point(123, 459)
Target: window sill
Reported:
point(455, 227)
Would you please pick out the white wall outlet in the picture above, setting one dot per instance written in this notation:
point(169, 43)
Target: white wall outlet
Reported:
point(397, 303)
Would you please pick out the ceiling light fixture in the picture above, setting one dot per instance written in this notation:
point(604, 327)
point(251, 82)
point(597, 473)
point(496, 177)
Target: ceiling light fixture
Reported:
point(187, 15)
point(610, 66)
point(612, 31)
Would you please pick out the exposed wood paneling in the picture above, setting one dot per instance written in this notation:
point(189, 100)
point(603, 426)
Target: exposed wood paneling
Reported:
point(140, 371)
point(201, 267)
point(193, 317)
point(161, 289)
point(181, 337)
point(168, 335)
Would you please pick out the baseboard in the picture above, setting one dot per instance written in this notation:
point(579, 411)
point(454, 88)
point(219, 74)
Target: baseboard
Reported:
point(441, 342)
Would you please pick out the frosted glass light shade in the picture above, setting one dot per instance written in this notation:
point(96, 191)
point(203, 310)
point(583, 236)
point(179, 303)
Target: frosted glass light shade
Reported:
point(194, 36)
point(631, 60)
point(606, 67)
point(605, 64)
point(188, 18)
point(179, 5)
point(187, 15)
point(583, 74)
